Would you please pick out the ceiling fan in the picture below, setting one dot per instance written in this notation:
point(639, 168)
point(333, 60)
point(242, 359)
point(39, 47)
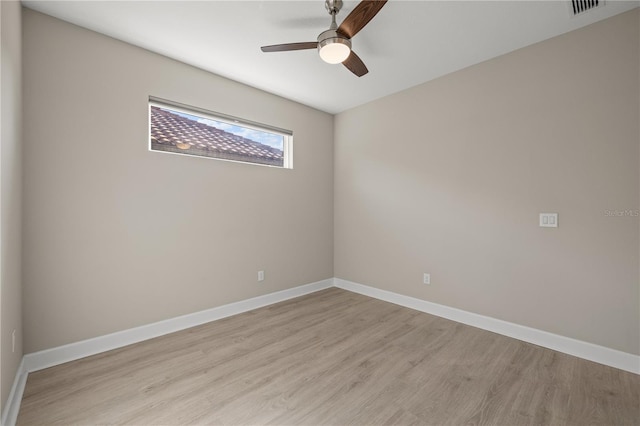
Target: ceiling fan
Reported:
point(334, 44)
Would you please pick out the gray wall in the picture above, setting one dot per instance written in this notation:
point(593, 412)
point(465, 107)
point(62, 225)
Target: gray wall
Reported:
point(117, 236)
point(10, 193)
point(449, 177)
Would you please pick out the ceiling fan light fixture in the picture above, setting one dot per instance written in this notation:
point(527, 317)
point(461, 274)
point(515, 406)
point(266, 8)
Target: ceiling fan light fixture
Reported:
point(335, 48)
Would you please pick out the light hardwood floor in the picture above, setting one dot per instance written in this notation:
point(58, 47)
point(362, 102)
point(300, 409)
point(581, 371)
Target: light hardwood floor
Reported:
point(332, 358)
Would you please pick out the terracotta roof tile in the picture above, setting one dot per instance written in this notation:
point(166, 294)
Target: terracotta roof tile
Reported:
point(175, 133)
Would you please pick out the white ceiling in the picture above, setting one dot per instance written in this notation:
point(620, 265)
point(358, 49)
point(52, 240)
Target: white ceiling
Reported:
point(407, 43)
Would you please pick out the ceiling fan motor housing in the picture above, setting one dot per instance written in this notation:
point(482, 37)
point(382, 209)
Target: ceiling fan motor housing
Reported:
point(333, 40)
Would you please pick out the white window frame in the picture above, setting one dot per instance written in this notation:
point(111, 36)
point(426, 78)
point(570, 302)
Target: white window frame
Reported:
point(287, 135)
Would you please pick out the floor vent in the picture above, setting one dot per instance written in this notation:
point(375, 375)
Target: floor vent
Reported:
point(578, 7)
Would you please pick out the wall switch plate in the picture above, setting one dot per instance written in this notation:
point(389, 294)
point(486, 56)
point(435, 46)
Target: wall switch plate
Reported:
point(13, 341)
point(549, 220)
point(260, 275)
point(426, 278)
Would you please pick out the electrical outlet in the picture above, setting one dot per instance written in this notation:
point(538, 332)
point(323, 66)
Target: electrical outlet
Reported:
point(260, 275)
point(426, 278)
point(549, 220)
point(13, 341)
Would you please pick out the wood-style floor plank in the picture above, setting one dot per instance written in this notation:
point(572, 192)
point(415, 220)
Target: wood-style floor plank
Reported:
point(332, 358)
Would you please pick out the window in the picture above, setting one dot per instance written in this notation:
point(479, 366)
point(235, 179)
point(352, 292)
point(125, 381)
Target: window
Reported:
point(186, 130)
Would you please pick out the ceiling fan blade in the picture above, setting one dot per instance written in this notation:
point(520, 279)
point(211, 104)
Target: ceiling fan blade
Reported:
point(360, 16)
point(355, 64)
point(290, 46)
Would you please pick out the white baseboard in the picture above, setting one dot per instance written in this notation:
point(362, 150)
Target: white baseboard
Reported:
point(567, 345)
point(12, 406)
point(61, 354)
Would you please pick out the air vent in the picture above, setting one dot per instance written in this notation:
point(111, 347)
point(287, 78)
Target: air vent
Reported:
point(578, 7)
